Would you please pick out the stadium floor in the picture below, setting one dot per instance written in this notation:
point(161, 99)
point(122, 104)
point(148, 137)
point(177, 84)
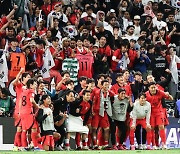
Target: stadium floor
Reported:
point(172, 151)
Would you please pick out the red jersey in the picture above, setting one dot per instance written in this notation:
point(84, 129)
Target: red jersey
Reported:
point(26, 104)
point(105, 51)
point(85, 64)
point(117, 53)
point(39, 57)
point(155, 100)
point(127, 87)
point(18, 90)
point(96, 100)
point(58, 63)
point(132, 56)
point(80, 52)
point(85, 107)
point(3, 21)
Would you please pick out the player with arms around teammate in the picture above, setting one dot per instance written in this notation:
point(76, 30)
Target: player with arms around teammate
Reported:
point(45, 118)
point(26, 114)
point(154, 96)
point(101, 109)
point(140, 115)
point(18, 84)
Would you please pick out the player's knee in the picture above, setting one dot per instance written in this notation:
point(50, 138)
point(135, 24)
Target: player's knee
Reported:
point(19, 129)
point(161, 127)
point(34, 130)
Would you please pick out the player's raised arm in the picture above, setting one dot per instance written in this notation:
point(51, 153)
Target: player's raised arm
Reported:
point(18, 76)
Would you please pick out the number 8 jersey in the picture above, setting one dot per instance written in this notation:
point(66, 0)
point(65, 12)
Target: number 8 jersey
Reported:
point(26, 104)
point(85, 64)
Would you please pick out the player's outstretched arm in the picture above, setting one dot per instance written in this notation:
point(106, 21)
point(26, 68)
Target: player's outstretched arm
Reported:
point(18, 76)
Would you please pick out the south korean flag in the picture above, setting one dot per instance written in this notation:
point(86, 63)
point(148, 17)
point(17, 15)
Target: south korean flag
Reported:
point(3, 69)
point(48, 63)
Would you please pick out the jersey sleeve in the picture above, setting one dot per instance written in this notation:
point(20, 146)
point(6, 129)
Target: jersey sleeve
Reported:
point(163, 94)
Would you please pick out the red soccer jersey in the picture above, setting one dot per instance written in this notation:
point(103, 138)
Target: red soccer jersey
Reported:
point(3, 21)
point(105, 50)
point(26, 104)
point(58, 63)
point(85, 64)
point(155, 100)
point(85, 107)
point(18, 89)
point(127, 87)
point(97, 99)
point(118, 55)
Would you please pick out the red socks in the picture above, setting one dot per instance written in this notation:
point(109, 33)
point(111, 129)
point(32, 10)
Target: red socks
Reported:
point(24, 139)
point(17, 139)
point(148, 137)
point(131, 136)
point(34, 138)
point(78, 139)
point(162, 134)
point(89, 139)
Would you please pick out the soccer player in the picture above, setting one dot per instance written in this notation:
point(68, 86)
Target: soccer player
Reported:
point(45, 118)
point(140, 115)
point(155, 96)
point(84, 110)
point(26, 112)
point(18, 88)
point(101, 110)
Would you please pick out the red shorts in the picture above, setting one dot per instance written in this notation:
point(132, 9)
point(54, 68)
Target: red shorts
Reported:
point(141, 122)
point(28, 121)
point(166, 121)
point(99, 121)
point(89, 121)
point(157, 119)
point(17, 120)
point(48, 140)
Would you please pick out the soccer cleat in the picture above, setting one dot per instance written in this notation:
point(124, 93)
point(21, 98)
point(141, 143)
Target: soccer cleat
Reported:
point(59, 148)
point(106, 148)
point(124, 146)
point(164, 147)
point(155, 147)
point(132, 147)
point(15, 148)
point(78, 148)
point(24, 149)
point(144, 147)
point(140, 147)
point(67, 148)
point(96, 148)
point(37, 149)
point(85, 148)
point(115, 147)
point(121, 147)
point(148, 147)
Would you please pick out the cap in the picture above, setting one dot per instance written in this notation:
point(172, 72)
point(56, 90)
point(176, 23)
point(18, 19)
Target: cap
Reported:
point(112, 11)
point(100, 24)
point(137, 17)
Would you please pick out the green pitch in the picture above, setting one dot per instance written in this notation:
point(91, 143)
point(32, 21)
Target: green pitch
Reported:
point(173, 151)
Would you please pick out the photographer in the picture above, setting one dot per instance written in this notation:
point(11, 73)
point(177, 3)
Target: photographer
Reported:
point(6, 103)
